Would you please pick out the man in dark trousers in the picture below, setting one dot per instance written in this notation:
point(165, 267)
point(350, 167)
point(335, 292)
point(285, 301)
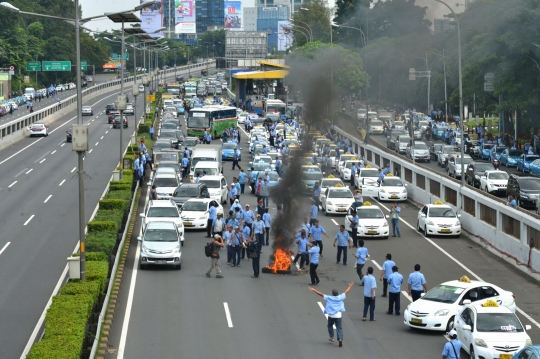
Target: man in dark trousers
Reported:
point(254, 252)
point(217, 244)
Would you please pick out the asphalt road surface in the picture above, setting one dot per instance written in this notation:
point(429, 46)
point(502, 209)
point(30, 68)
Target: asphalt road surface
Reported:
point(164, 313)
point(39, 213)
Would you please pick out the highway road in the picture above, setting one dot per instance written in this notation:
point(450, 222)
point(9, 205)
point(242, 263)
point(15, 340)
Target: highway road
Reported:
point(39, 214)
point(166, 313)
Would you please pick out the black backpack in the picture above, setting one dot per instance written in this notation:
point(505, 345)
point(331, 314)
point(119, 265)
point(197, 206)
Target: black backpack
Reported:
point(208, 250)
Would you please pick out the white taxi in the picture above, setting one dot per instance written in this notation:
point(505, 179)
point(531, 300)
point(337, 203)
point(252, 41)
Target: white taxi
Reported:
point(163, 211)
point(366, 172)
point(217, 187)
point(491, 331)
point(437, 309)
point(336, 200)
point(328, 182)
point(494, 182)
point(438, 219)
point(194, 212)
point(344, 157)
point(392, 189)
point(372, 222)
point(345, 172)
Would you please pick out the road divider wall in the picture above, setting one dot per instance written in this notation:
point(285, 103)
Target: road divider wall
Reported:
point(512, 234)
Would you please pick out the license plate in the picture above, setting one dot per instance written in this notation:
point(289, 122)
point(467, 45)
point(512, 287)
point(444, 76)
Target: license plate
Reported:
point(371, 232)
point(161, 261)
point(393, 196)
point(416, 320)
point(445, 230)
point(341, 209)
point(505, 356)
point(188, 224)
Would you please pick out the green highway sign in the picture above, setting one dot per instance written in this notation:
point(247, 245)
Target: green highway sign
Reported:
point(117, 57)
point(33, 66)
point(56, 65)
point(84, 65)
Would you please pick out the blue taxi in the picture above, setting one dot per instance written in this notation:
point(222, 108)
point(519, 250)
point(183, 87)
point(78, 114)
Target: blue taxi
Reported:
point(534, 168)
point(524, 161)
point(273, 175)
point(228, 149)
point(485, 150)
point(509, 157)
point(310, 175)
point(496, 152)
point(529, 352)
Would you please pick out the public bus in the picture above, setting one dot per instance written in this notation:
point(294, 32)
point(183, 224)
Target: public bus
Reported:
point(276, 106)
point(190, 89)
point(214, 119)
point(173, 89)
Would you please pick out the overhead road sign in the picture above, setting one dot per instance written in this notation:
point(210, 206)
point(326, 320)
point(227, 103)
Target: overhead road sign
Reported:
point(33, 66)
point(56, 65)
point(84, 65)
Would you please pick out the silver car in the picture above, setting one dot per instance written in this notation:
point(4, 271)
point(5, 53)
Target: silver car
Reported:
point(129, 109)
point(87, 110)
point(453, 164)
point(445, 151)
point(163, 211)
point(160, 245)
point(420, 152)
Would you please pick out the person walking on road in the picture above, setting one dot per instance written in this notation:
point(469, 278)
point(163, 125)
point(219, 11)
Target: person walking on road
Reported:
point(314, 251)
point(258, 231)
point(235, 160)
point(361, 255)
point(370, 284)
point(232, 193)
point(217, 244)
point(394, 281)
point(219, 225)
point(153, 193)
point(354, 227)
point(212, 215)
point(316, 233)
point(334, 307)
point(416, 283)
point(302, 241)
point(394, 215)
point(452, 348)
point(343, 241)
point(185, 164)
point(254, 253)
point(267, 219)
point(386, 271)
point(265, 192)
point(242, 179)
point(152, 133)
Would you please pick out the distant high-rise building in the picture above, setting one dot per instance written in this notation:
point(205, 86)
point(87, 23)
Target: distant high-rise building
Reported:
point(210, 15)
point(267, 20)
point(441, 25)
point(250, 19)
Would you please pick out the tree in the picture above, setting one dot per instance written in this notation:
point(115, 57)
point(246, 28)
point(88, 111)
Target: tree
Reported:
point(315, 21)
point(36, 29)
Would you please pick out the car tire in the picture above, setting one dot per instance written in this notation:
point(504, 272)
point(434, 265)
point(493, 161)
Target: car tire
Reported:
point(142, 266)
point(425, 231)
point(450, 324)
point(472, 353)
point(178, 267)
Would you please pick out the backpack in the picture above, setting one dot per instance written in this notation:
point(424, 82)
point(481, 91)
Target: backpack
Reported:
point(208, 250)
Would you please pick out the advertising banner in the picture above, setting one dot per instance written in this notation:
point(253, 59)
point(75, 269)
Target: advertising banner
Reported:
point(285, 35)
point(152, 18)
point(185, 17)
point(233, 15)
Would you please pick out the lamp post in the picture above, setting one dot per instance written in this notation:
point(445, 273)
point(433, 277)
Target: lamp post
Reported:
point(302, 32)
point(307, 25)
point(323, 14)
point(77, 22)
point(460, 92)
point(444, 70)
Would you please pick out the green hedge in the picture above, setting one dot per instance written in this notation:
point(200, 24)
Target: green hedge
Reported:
point(77, 287)
point(96, 256)
point(112, 204)
point(102, 226)
point(57, 347)
point(124, 195)
point(98, 272)
point(101, 242)
point(110, 215)
point(144, 128)
point(124, 186)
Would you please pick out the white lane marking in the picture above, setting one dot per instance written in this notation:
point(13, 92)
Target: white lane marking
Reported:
point(52, 153)
point(13, 184)
point(333, 220)
point(44, 155)
point(73, 170)
point(326, 315)
point(63, 144)
point(97, 143)
point(456, 261)
point(406, 295)
point(61, 183)
point(48, 198)
point(20, 173)
point(4, 248)
point(30, 170)
point(376, 264)
point(93, 120)
point(43, 160)
point(228, 314)
point(106, 132)
point(296, 264)
point(29, 219)
point(90, 150)
point(101, 137)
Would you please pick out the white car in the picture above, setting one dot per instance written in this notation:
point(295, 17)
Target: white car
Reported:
point(194, 212)
point(161, 245)
point(392, 189)
point(366, 172)
point(368, 186)
point(337, 200)
point(87, 110)
point(437, 309)
point(275, 156)
point(141, 88)
point(166, 183)
point(60, 88)
point(344, 157)
point(163, 211)
point(264, 158)
point(421, 152)
point(171, 170)
point(39, 129)
point(372, 222)
point(328, 182)
point(398, 125)
point(242, 118)
point(345, 172)
point(13, 104)
point(171, 109)
point(217, 187)
point(438, 219)
point(494, 182)
point(491, 331)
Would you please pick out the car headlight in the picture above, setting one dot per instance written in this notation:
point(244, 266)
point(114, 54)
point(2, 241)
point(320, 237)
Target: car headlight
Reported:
point(144, 249)
point(176, 249)
point(480, 342)
point(476, 176)
point(524, 195)
point(429, 223)
point(404, 190)
point(528, 342)
point(442, 312)
point(458, 223)
point(202, 217)
point(329, 202)
point(385, 224)
point(382, 191)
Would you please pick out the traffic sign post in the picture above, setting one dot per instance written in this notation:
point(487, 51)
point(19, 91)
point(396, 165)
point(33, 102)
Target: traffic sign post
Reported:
point(56, 65)
point(33, 66)
point(84, 65)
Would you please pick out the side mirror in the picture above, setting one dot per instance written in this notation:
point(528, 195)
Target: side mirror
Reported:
point(251, 164)
point(387, 216)
point(528, 327)
point(422, 294)
point(466, 301)
point(148, 183)
point(406, 185)
point(466, 327)
point(459, 215)
point(422, 215)
point(142, 215)
point(139, 238)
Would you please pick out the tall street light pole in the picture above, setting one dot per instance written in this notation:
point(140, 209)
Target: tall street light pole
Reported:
point(307, 25)
point(462, 120)
point(444, 71)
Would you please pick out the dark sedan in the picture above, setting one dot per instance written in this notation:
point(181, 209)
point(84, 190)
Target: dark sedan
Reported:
point(69, 136)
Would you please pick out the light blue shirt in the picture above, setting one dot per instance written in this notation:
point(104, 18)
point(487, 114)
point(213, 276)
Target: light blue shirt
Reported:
point(246, 232)
point(355, 219)
point(394, 212)
point(317, 232)
point(361, 254)
point(185, 162)
point(266, 219)
point(334, 304)
point(238, 188)
point(233, 192)
point(416, 280)
point(342, 238)
point(187, 153)
point(242, 177)
point(136, 163)
point(233, 222)
point(387, 267)
point(369, 283)
point(314, 251)
point(212, 213)
point(313, 211)
point(265, 150)
point(258, 227)
point(317, 192)
point(448, 350)
point(302, 243)
point(239, 214)
point(227, 236)
point(249, 217)
point(278, 163)
point(234, 205)
point(395, 279)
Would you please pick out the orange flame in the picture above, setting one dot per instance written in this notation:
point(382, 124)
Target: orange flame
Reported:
point(282, 261)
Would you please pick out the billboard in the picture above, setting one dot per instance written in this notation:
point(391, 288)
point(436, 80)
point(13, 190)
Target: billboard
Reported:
point(233, 15)
point(184, 17)
point(152, 18)
point(285, 35)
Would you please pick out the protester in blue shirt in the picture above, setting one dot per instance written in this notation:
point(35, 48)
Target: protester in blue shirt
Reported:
point(212, 215)
point(232, 194)
point(361, 255)
point(219, 225)
point(416, 283)
point(452, 349)
point(313, 211)
point(343, 241)
point(302, 242)
point(277, 165)
point(242, 179)
point(386, 269)
point(267, 219)
point(314, 251)
point(394, 281)
point(315, 234)
point(370, 284)
point(249, 216)
point(185, 163)
point(258, 230)
point(334, 308)
point(394, 216)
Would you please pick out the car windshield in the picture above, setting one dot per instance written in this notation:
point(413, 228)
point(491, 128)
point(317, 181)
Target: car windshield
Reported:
point(488, 146)
point(442, 212)
point(211, 183)
point(481, 167)
point(346, 157)
point(529, 183)
point(229, 146)
point(350, 164)
point(404, 139)
point(190, 142)
point(160, 235)
point(198, 121)
point(186, 192)
point(166, 157)
point(437, 147)
point(311, 176)
point(500, 149)
point(209, 171)
point(498, 176)
point(340, 193)
point(443, 294)
point(531, 158)
point(166, 134)
point(169, 165)
point(267, 160)
point(398, 123)
point(162, 212)
point(194, 206)
point(370, 213)
point(498, 322)
point(465, 160)
point(369, 173)
point(165, 182)
point(514, 153)
point(330, 182)
point(391, 182)
point(169, 126)
point(420, 146)
point(449, 149)
point(423, 123)
point(376, 123)
point(260, 166)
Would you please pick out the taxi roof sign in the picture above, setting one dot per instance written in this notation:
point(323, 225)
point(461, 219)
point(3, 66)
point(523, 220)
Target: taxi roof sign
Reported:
point(348, 153)
point(465, 279)
point(309, 164)
point(369, 166)
point(353, 159)
point(331, 176)
point(490, 303)
point(389, 175)
point(366, 203)
point(437, 203)
point(338, 185)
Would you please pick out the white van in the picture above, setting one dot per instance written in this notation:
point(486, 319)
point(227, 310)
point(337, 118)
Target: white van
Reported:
point(29, 93)
point(210, 167)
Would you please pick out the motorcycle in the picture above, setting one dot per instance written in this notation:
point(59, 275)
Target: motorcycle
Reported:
point(496, 163)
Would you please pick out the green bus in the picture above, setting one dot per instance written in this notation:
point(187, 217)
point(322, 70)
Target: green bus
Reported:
point(214, 119)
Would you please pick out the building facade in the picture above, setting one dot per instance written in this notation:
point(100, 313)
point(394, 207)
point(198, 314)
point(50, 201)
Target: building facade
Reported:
point(267, 21)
